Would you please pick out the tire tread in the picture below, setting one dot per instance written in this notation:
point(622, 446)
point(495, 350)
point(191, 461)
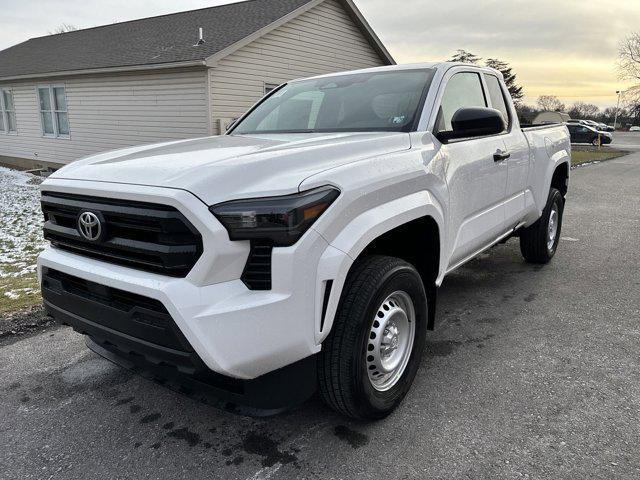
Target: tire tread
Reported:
point(533, 239)
point(334, 367)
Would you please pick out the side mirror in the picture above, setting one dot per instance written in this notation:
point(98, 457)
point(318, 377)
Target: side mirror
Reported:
point(474, 122)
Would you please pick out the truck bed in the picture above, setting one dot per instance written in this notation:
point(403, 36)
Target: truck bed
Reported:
point(545, 143)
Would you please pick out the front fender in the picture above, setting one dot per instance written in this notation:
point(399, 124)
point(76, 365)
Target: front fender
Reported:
point(355, 237)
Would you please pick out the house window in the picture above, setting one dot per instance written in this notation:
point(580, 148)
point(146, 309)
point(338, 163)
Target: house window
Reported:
point(53, 111)
point(270, 87)
point(7, 112)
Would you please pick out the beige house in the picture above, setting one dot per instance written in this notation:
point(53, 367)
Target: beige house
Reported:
point(66, 96)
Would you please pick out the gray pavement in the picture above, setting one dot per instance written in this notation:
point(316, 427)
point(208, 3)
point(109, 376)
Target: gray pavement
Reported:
point(532, 372)
point(626, 140)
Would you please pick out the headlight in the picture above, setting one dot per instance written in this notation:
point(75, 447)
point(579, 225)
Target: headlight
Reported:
point(280, 220)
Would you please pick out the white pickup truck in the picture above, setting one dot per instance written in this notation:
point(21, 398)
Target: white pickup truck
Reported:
point(303, 249)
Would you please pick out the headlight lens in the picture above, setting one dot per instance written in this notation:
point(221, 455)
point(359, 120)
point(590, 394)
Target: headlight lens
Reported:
point(280, 220)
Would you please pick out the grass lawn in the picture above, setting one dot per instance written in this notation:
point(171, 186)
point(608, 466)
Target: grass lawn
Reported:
point(20, 239)
point(586, 154)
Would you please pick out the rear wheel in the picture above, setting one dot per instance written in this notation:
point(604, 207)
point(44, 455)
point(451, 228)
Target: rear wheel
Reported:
point(370, 358)
point(539, 242)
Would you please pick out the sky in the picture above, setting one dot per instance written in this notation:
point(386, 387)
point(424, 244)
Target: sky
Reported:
point(565, 48)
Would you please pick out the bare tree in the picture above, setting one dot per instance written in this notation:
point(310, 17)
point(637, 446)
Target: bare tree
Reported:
point(550, 103)
point(629, 57)
point(631, 96)
point(634, 112)
point(526, 113)
point(64, 28)
point(631, 100)
point(584, 110)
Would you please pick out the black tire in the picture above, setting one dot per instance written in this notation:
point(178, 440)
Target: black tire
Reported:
point(342, 366)
point(534, 239)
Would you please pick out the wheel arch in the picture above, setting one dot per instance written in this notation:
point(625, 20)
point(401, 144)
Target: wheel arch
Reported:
point(560, 178)
point(410, 228)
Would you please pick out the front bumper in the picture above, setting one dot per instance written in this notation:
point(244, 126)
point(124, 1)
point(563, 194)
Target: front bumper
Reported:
point(234, 331)
point(138, 333)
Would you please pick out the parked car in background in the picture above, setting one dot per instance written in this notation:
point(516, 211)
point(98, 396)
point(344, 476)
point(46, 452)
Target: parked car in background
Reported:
point(601, 127)
point(606, 128)
point(578, 122)
point(581, 133)
point(634, 129)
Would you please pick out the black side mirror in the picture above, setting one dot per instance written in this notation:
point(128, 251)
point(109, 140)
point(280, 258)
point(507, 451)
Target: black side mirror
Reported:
point(474, 122)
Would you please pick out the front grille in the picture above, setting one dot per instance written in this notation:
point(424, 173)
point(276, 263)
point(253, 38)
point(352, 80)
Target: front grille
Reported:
point(125, 312)
point(145, 236)
point(137, 329)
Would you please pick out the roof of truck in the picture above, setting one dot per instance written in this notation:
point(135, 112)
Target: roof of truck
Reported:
point(408, 66)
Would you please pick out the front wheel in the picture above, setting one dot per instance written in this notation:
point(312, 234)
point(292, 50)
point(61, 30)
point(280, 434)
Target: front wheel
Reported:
point(539, 242)
point(370, 358)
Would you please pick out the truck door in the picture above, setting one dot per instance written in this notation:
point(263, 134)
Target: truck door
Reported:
point(476, 180)
point(517, 147)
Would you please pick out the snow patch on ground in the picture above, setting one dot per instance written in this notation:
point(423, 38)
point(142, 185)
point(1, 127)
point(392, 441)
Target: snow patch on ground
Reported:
point(20, 230)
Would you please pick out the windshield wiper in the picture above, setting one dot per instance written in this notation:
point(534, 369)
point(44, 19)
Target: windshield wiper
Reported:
point(268, 132)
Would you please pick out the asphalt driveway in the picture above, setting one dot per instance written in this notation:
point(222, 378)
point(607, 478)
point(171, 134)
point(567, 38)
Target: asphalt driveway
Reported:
point(532, 372)
point(626, 140)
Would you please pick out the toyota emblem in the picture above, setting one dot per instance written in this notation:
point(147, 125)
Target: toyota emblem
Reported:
point(89, 226)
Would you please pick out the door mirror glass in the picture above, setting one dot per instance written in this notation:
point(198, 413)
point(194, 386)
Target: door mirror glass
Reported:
point(473, 122)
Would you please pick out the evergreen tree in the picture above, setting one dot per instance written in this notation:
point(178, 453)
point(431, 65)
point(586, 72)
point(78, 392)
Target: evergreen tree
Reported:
point(464, 57)
point(515, 90)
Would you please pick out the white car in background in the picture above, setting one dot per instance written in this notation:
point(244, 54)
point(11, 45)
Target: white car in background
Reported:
point(634, 129)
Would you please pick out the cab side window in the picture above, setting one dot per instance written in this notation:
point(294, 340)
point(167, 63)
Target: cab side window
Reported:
point(498, 101)
point(463, 90)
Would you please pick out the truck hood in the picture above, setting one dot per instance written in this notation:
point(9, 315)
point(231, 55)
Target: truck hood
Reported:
point(223, 168)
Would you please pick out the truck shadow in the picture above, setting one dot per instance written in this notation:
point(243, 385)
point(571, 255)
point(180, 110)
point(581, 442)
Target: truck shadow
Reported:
point(476, 300)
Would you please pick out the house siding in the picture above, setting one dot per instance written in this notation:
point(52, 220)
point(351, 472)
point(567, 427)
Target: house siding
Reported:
point(323, 40)
point(111, 111)
point(108, 112)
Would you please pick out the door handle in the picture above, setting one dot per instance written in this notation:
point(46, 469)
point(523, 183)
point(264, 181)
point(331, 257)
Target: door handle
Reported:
point(501, 156)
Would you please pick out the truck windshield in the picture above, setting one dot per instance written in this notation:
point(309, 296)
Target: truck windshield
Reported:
point(377, 101)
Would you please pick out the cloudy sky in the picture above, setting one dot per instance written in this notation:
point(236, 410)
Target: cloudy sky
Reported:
point(559, 47)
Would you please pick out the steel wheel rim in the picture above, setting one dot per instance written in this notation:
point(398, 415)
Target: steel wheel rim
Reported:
point(552, 229)
point(390, 341)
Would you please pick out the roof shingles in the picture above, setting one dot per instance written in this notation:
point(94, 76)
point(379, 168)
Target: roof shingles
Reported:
point(150, 41)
